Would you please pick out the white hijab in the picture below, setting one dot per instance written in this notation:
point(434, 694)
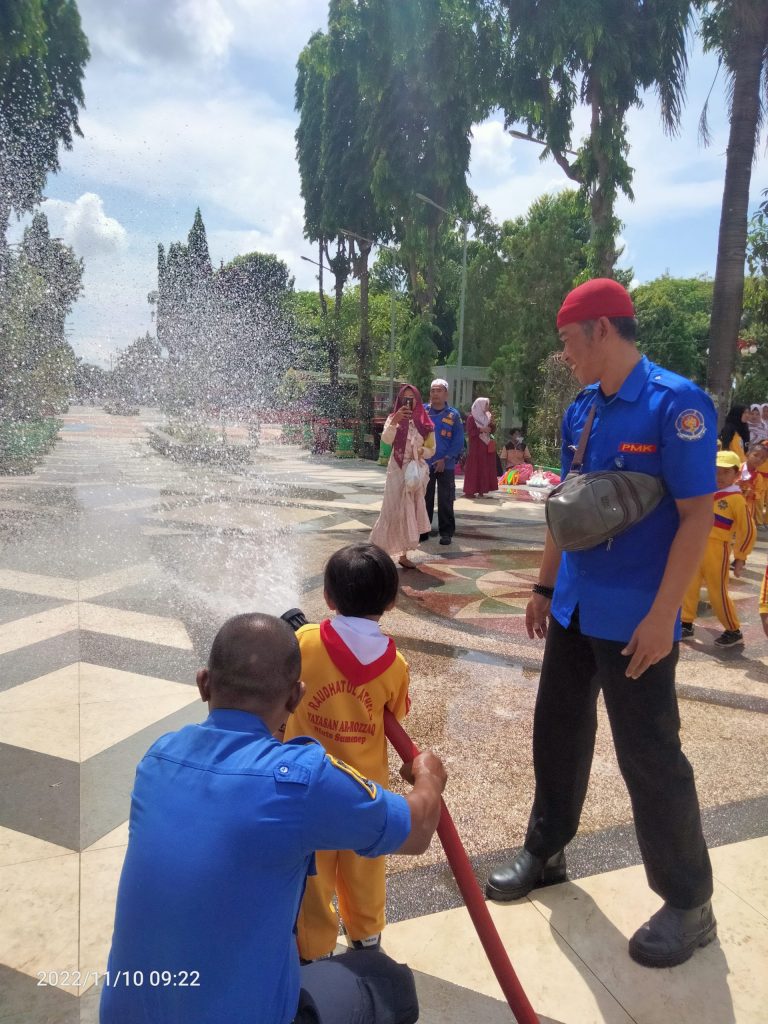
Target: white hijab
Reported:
point(758, 431)
point(481, 412)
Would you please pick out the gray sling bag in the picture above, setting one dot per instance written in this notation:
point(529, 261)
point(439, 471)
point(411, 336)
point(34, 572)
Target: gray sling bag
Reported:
point(588, 509)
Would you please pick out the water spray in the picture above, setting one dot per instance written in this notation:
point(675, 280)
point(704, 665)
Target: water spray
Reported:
point(461, 867)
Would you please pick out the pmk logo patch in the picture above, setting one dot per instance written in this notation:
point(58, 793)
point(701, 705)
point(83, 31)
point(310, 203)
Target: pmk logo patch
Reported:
point(368, 786)
point(635, 448)
point(690, 425)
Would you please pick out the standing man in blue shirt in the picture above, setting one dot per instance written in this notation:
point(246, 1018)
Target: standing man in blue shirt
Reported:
point(224, 823)
point(449, 437)
point(611, 618)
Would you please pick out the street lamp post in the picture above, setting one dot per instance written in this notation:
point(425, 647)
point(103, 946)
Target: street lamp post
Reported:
point(321, 265)
point(458, 390)
point(392, 311)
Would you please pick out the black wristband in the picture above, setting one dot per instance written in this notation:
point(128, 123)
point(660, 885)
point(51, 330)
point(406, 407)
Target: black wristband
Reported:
point(539, 588)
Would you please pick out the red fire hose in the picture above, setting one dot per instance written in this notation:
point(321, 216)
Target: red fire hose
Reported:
point(470, 890)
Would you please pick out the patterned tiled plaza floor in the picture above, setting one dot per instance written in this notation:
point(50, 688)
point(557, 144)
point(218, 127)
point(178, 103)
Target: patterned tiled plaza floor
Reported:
point(116, 568)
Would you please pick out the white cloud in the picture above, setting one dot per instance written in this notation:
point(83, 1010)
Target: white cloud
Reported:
point(158, 32)
point(84, 225)
point(235, 149)
point(492, 150)
point(276, 29)
point(151, 31)
point(189, 103)
point(113, 309)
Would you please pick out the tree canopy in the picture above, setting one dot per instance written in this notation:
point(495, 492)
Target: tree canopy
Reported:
point(36, 361)
point(737, 30)
point(43, 53)
point(602, 54)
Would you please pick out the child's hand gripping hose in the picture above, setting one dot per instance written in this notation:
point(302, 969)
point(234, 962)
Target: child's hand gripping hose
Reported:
point(470, 890)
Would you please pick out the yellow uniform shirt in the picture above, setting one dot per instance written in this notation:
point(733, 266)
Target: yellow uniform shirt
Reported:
point(347, 719)
point(737, 445)
point(733, 523)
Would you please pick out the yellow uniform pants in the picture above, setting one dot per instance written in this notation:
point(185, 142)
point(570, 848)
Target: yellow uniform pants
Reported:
point(360, 887)
point(761, 508)
point(713, 574)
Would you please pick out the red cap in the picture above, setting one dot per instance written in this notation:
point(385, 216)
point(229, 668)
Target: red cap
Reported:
point(601, 296)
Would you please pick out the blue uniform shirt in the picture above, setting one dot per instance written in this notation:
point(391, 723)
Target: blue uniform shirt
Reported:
point(223, 828)
point(449, 435)
point(657, 423)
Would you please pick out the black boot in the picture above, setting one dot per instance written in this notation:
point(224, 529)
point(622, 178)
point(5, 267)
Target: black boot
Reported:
point(516, 879)
point(672, 936)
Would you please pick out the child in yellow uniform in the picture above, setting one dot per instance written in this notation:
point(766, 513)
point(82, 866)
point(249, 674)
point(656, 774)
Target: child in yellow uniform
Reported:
point(351, 672)
point(753, 481)
point(762, 605)
point(733, 527)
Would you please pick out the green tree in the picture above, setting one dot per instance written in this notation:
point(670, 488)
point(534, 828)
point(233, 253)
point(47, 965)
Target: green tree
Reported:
point(536, 260)
point(424, 70)
point(753, 376)
point(90, 383)
point(36, 362)
point(311, 150)
point(188, 324)
point(253, 328)
point(43, 52)
point(420, 351)
point(737, 30)
point(674, 323)
point(139, 376)
point(347, 168)
point(603, 54)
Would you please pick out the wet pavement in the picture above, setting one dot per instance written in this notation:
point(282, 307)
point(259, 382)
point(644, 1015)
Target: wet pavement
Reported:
point(116, 568)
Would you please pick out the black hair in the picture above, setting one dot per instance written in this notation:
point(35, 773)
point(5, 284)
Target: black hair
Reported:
point(625, 326)
point(254, 658)
point(733, 425)
point(361, 579)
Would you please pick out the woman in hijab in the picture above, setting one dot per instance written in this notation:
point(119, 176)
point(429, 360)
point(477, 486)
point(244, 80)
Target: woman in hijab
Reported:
point(757, 426)
point(403, 516)
point(734, 437)
point(480, 469)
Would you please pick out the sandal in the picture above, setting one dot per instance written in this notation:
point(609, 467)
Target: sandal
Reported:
point(406, 562)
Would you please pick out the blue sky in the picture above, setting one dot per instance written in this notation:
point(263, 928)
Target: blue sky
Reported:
point(190, 102)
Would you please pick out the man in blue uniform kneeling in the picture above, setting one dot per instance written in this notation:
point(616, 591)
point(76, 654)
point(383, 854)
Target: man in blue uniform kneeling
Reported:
point(224, 823)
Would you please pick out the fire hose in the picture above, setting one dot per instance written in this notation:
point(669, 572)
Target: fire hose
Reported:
point(459, 863)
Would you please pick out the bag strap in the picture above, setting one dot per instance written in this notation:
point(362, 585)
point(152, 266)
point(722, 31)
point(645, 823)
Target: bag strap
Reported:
point(578, 458)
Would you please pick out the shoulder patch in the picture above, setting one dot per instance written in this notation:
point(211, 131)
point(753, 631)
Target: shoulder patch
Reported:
point(353, 773)
point(690, 425)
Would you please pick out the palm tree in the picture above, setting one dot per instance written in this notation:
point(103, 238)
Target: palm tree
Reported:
point(603, 54)
point(737, 30)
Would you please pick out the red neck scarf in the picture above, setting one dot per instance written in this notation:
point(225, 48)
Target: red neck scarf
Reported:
point(420, 420)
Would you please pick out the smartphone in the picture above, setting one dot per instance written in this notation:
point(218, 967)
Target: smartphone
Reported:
point(408, 403)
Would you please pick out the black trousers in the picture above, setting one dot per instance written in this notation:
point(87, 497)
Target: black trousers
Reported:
point(358, 987)
point(446, 495)
point(645, 723)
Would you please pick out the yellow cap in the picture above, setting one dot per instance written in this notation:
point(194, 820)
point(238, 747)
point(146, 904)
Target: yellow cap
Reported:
point(728, 460)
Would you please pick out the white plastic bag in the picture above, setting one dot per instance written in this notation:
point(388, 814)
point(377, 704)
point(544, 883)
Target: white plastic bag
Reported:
point(412, 477)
